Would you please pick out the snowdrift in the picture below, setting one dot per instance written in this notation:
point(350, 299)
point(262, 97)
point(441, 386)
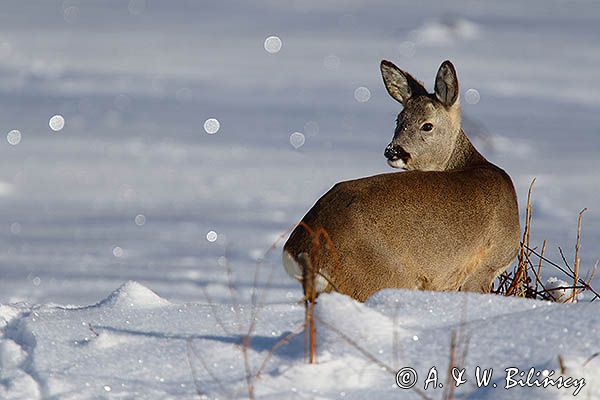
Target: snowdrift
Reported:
point(135, 345)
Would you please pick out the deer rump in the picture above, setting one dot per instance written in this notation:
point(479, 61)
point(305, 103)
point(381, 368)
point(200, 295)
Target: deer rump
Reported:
point(434, 230)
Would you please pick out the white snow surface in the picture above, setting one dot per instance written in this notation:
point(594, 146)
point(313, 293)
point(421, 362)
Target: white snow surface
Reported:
point(135, 345)
point(131, 192)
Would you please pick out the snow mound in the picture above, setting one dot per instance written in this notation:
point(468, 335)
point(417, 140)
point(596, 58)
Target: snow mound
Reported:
point(107, 340)
point(348, 315)
point(134, 295)
point(6, 188)
point(11, 354)
point(559, 289)
point(446, 30)
point(7, 313)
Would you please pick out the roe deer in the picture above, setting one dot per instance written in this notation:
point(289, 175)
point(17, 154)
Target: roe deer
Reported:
point(450, 222)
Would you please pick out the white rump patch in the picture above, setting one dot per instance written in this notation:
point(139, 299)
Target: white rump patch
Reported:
point(397, 163)
point(291, 266)
point(294, 269)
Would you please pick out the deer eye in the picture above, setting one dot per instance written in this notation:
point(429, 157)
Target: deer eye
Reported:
point(427, 127)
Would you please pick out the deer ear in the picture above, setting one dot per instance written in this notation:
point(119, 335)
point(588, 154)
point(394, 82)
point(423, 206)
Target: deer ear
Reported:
point(446, 84)
point(399, 84)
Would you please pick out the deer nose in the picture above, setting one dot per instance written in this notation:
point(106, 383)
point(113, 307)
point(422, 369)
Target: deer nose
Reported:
point(392, 152)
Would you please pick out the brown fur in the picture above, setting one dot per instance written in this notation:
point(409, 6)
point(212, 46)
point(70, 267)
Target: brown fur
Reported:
point(449, 224)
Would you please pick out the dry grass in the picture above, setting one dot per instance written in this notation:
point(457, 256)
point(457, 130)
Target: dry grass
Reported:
point(459, 345)
point(320, 240)
point(525, 278)
point(517, 286)
point(576, 263)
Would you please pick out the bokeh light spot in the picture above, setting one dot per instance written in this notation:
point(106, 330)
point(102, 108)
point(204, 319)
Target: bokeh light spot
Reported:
point(472, 96)
point(56, 123)
point(362, 94)
point(212, 126)
point(14, 137)
point(297, 140)
point(273, 44)
point(212, 236)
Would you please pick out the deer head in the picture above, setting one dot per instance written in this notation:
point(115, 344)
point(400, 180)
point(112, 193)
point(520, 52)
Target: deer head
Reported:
point(428, 127)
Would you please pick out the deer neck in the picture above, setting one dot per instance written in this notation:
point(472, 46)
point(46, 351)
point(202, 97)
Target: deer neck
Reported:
point(464, 154)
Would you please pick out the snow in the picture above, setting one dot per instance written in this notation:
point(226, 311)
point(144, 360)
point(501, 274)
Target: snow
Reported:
point(445, 31)
point(559, 289)
point(132, 294)
point(178, 126)
point(136, 344)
